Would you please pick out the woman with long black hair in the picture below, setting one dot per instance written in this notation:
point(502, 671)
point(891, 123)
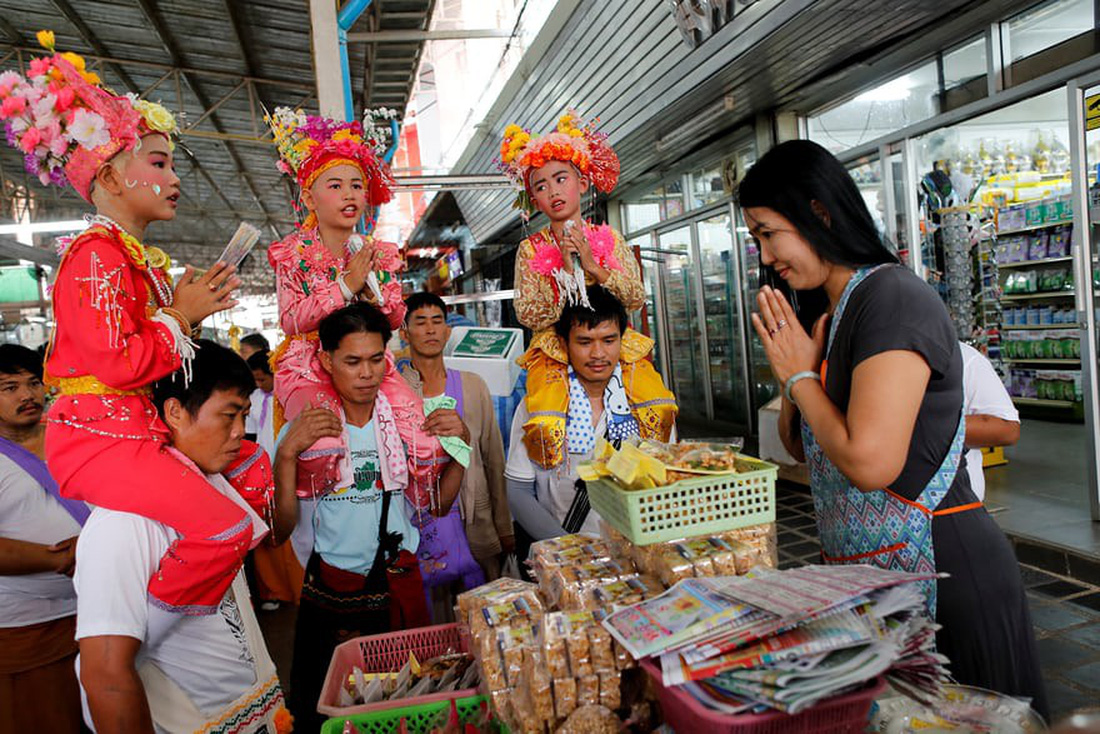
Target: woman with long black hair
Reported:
point(873, 402)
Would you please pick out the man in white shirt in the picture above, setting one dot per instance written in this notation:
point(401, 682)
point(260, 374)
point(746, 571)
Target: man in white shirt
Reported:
point(991, 418)
point(260, 424)
point(38, 529)
point(551, 501)
point(204, 670)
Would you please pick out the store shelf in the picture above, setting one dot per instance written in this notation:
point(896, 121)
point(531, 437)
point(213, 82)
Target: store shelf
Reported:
point(1061, 362)
point(1044, 403)
point(1033, 228)
point(1033, 296)
point(1026, 263)
point(1029, 327)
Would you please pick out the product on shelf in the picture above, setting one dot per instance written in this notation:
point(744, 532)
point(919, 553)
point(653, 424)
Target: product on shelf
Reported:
point(500, 604)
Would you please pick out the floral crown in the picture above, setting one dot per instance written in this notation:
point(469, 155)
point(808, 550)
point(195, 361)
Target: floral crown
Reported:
point(574, 141)
point(309, 145)
point(67, 124)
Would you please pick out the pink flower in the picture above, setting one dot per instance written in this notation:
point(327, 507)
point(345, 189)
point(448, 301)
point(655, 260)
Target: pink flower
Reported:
point(8, 82)
point(547, 259)
point(602, 241)
point(89, 129)
point(39, 67)
point(65, 97)
point(30, 140)
point(12, 106)
point(59, 146)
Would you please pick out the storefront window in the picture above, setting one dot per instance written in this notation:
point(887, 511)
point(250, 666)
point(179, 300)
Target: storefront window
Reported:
point(900, 102)
point(706, 187)
point(867, 173)
point(664, 202)
point(1046, 25)
point(964, 63)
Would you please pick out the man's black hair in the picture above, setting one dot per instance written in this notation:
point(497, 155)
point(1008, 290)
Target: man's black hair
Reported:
point(214, 368)
point(358, 318)
point(417, 301)
point(256, 341)
point(605, 307)
point(260, 361)
point(15, 359)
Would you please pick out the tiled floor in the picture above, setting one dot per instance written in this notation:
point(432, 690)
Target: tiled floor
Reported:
point(1066, 613)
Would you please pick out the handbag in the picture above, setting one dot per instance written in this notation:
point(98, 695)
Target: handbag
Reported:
point(408, 607)
point(444, 552)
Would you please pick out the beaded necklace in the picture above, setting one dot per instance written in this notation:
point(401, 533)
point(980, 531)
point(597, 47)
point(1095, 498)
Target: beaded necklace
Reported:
point(153, 261)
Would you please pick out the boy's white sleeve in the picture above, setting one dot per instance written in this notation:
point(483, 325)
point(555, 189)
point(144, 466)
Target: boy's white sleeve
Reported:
point(116, 555)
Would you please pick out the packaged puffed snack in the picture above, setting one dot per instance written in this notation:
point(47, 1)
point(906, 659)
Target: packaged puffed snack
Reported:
point(610, 689)
point(591, 720)
point(501, 591)
point(623, 658)
point(600, 649)
point(622, 592)
point(535, 695)
point(565, 696)
point(588, 690)
point(671, 566)
point(566, 585)
point(519, 612)
point(761, 540)
point(616, 541)
point(501, 655)
point(546, 559)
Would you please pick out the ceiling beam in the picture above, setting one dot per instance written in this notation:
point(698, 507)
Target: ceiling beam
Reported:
point(107, 58)
point(152, 14)
point(85, 32)
point(418, 36)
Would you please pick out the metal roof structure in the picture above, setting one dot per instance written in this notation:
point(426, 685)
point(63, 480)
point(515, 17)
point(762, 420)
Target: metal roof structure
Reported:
point(217, 64)
point(662, 102)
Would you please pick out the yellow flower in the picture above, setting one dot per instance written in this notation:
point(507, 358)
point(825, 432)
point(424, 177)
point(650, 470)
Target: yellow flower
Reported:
point(344, 134)
point(91, 77)
point(512, 130)
point(46, 40)
point(156, 116)
point(575, 132)
point(74, 59)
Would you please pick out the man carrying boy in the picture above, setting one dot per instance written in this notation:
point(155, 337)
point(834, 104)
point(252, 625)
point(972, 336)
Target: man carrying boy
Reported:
point(548, 501)
point(206, 671)
point(362, 577)
point(484, 498)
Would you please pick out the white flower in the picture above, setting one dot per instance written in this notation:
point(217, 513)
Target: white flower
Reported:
point(43, 109)
point(89, 129)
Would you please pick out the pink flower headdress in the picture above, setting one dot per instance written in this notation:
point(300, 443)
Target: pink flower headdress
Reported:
point(67, 124)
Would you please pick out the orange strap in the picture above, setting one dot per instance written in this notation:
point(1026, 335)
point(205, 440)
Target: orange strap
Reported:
point(957, 508)
point(861, 556)
point(824, 371)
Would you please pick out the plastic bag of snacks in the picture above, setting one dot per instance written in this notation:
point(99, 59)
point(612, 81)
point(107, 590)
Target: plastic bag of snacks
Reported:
point(591, 720)
point(549, 555)
point(761, 539)
point(621, 593)
point(566, 586)
point(502, 603)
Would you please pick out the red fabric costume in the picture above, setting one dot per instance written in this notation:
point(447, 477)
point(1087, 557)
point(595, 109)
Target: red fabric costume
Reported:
point(105, 443)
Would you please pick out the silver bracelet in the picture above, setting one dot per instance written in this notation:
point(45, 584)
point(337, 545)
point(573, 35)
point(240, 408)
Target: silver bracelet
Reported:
point(807, 375)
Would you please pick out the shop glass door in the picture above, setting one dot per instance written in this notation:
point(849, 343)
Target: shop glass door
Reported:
point(684, 342)
point(724, 327)
point(762, 382)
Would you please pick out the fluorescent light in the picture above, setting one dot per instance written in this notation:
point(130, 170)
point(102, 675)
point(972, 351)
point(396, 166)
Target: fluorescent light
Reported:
point(70, 225)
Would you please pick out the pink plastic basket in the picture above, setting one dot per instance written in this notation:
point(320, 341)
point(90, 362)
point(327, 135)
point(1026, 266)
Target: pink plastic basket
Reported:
point(388, 653)
point(846, 713)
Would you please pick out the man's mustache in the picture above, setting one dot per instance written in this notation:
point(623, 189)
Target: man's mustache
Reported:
point(33, 405)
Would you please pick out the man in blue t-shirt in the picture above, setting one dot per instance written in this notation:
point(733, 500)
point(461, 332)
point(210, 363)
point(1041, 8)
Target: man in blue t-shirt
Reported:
point(360, 579)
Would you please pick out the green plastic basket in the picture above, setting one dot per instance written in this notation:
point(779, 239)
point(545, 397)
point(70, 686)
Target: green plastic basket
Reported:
point(417, 718)
point(707, 505)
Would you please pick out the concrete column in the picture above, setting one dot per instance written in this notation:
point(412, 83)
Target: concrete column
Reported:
point(326, 58)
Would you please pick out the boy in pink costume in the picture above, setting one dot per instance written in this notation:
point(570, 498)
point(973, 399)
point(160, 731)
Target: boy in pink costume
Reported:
point(322, 267)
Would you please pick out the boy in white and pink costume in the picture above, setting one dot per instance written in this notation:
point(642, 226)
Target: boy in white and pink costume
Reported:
point(315, 277)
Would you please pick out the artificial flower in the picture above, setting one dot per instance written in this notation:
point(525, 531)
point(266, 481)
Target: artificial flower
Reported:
point(547, 259)
point(89, 129)
point(91, 77)
point(8, 82)
point(12, 106)
point(284, 722)
point(512, 130)
point(75, 59)
point(46, 40)
point(30, 140)
point(38, 67)
point(157, 118)
point(64, 98)
point(43, 110)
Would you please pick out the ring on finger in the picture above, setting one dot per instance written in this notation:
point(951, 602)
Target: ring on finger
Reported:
point(780, 324)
